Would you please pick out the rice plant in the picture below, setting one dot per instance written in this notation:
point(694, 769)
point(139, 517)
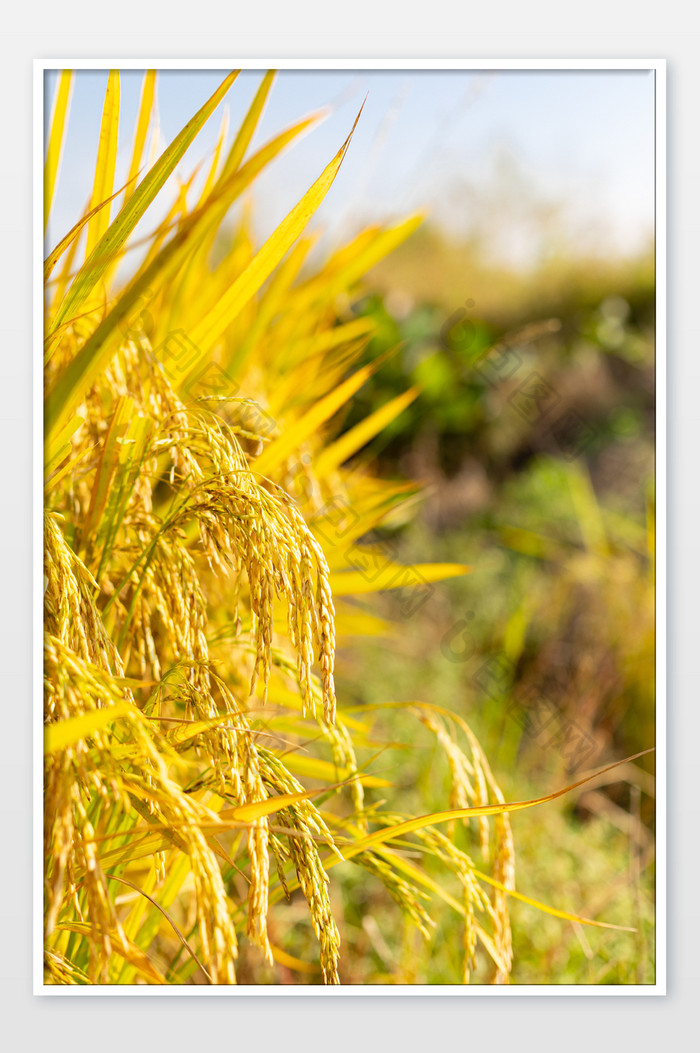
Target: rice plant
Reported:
point(203, 555)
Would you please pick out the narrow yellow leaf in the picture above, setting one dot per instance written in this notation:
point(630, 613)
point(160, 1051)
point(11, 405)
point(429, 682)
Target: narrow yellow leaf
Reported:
point(299, 966)
point(315, 768)
point(248, 813)
point(188, 731)
point(52, 479)
point(213, 326)
point(55, 146)
point(296, 433)
point(106, 160)
point(352, 262)
point(378, 573)
point(142, 125)
point(148, 845)
point(248, 126)
point(554, 911)
point(54, 451)
point(214, 166)
point(352, 441)
point(131, 212)
point(65, 242)
point(67, 732)
point(127, 950)
point(409, 825)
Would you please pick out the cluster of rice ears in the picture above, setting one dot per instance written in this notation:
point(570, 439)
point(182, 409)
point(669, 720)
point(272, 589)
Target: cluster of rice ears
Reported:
point(198, 767)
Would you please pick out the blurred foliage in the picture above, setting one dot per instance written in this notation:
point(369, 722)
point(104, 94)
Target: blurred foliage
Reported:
point(534, 434)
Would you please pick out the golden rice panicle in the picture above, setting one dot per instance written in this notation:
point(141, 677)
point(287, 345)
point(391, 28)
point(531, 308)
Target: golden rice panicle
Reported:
point(481, 797)
point(406, 895)
point(313, 881)
point(503, 871)
point(326, 643)
point(82, 775)
point(503, 867)
point(462, 793)
point(344, 756)
point(70, 612)
point(474, 898)
point(259, 852)
point(304, 825)
point(242, 524)
point(473, 785)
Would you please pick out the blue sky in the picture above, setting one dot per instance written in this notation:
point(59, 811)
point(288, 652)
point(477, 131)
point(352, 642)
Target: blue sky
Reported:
point(494, 151)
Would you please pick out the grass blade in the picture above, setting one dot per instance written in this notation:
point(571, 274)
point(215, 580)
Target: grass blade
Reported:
point(142, 125)
point(66, 733)
point(106, 160)
point(339, 452)
point(391, 832)
point(391, 576)
point(123, 947)
point(297, 433)
point(247, 128)
point(132, 211)
point(55, 146)
point(214, 325)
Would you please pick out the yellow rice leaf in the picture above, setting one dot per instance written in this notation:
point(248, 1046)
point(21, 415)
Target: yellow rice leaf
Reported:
point(147, 846)
point(349, 265)
point(315, 768)
point(125, 948)
point(346, 521)
point(248, 813)
point(213, 326)
point(132, 211)
point(106, 159)
point(214, 166)
point(248, 126)
point(554, 911)
point(65, 243)
point(268, 304)
point(55, 146)
point(109, 462)
point(392, 832)
point(282, 958)
point(55, 451)
point(297, 432)
point(329, 339)
point(349, 443)
point(190, 730)
point(52, 480)
point(142, 125)
point(350, 621)
point(389, 575)
point(67, 732)
point(82, 371)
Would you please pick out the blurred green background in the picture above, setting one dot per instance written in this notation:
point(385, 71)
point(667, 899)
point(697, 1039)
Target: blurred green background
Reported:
point(533, 436)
